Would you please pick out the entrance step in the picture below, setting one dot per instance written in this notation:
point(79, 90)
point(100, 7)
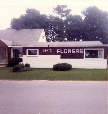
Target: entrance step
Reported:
point(3, 65)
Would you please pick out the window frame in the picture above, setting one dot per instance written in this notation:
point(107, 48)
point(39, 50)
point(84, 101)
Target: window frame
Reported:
point(32, 55)
point(94, 49)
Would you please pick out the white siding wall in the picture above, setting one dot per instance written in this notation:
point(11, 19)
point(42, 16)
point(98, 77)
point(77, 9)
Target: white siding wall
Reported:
point(47, 61)
point(42, 37)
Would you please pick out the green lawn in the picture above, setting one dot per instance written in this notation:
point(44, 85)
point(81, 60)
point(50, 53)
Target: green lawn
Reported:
point(49, 74)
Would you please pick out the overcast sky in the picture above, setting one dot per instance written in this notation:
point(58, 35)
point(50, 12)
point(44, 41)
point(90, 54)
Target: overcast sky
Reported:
point(10, 9)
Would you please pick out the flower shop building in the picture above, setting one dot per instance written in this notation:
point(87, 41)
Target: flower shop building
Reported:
point(32, 47)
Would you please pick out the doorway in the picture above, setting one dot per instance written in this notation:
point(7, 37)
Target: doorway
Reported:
point(17, 52)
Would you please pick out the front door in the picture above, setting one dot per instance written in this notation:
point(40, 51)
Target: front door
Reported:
point(3, 55)
point(17, 52)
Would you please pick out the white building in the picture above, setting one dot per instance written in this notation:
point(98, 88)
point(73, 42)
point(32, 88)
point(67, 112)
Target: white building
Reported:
point(31, 46)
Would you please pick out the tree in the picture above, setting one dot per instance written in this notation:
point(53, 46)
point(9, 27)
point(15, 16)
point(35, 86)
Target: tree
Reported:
point(62, 11)
point(31, 20)
point(95, 24)
point(55, 29)
point(15, 23)
point(74, 28)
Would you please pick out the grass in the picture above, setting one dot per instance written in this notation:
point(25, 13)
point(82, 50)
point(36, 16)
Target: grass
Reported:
point(49, 74)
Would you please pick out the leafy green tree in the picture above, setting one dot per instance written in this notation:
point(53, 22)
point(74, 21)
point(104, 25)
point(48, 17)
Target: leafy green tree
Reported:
point(74, 28)
point(31, 20)
point(95, 24)
point(62, 11)
point(55, 29)
point(15, 23)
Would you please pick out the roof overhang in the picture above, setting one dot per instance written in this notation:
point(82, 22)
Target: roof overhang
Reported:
point(15, 46)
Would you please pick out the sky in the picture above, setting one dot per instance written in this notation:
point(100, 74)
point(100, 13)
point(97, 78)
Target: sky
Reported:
point(10, 9)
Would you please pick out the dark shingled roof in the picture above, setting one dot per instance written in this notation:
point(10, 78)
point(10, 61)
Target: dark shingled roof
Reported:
point(23, 37)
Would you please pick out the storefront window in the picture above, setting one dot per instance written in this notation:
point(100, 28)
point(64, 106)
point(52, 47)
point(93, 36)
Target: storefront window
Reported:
point(93, 53)
point(32, 52)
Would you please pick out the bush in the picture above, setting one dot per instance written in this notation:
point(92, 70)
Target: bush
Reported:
point(19, 68)
point(16, 68)
point(22, 65)
point(62, 67)
point(14, 61)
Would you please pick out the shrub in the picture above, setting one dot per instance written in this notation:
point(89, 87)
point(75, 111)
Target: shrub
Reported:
point(14, 61)
point(22, 65)
point(62, 67)
point(27, 65)
point(16, 68)
point(19, 68)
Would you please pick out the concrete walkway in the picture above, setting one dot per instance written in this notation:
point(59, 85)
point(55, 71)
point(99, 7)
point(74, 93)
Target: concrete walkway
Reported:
point(53, 97)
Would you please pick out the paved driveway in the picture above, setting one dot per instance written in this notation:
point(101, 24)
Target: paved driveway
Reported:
point(53, 97)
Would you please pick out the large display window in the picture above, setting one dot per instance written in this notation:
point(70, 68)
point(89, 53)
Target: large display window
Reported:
point(93, 53)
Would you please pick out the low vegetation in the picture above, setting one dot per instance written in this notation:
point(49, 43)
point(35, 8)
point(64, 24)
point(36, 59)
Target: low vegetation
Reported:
point(50, 74)
point(14, 61)
point(20, 68)
point(17, 65)
point(62, 67)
